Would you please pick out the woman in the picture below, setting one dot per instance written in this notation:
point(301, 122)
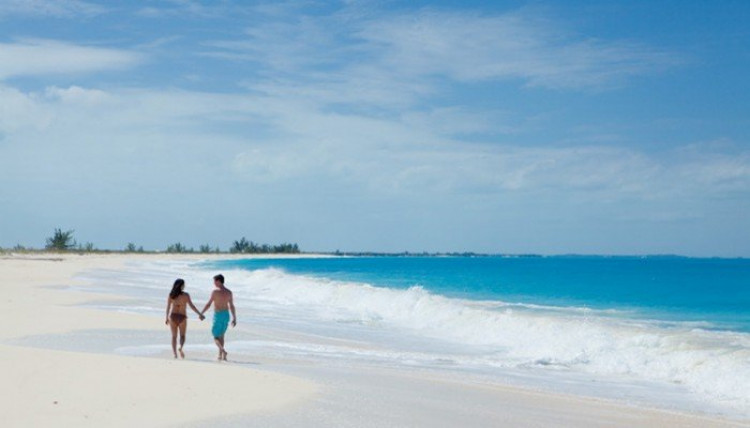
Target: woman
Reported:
point(177, 318)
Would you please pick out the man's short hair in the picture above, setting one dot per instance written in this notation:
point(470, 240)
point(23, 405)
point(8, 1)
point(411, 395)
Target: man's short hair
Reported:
point(219, 278)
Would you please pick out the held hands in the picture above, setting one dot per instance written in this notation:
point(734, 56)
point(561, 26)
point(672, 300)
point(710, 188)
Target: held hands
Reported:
point(201, 316)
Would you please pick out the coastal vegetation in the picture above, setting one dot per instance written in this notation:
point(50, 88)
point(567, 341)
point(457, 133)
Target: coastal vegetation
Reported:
point(61, 241)
point(202, 249)
point(250, 247)
point(131, 248)
point(179, 248)
point(64, 241)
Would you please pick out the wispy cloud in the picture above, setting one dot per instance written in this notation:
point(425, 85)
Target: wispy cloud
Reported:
point(474, 47)
point(458, 46)
point(50, 8)
point(398, 159)
point(48, 57)
point(162, 8)
point(378, 155)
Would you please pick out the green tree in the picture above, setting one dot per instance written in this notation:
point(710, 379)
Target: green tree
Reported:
point(178, 248)
point(241, 246)
point(61, 241)
point(130, 248)
point(204, 248)
point(250, 247)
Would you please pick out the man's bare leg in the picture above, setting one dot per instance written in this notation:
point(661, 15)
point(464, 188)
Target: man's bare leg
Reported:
point(223, 349)
point(220, 344)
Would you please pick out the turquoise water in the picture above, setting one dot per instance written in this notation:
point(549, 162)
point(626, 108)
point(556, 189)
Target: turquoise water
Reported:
point(663, 323)
point(713, 291)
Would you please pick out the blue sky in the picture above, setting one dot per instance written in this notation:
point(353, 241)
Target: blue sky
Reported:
point(608, 127)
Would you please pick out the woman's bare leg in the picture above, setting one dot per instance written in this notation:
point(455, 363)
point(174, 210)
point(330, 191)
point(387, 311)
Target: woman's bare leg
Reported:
point(173, 327)
point(183, 330)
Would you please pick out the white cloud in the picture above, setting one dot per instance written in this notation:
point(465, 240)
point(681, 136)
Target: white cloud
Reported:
point(20, 111)
point(34, 57)
point(379, 155)
point(406, 157)
point(720, 167)
point(77, 95)
point(455, 168)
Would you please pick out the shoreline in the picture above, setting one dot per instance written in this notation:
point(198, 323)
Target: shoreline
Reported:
point(300, 393)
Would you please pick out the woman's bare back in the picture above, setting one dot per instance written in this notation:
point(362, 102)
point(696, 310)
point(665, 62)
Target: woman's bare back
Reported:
point(179, 304)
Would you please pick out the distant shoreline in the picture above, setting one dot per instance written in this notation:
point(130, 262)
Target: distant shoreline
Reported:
point(304, 254)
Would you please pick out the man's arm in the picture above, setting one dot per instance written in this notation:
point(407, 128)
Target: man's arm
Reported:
point(231, 308)
point(208, 305)
point(192, 306)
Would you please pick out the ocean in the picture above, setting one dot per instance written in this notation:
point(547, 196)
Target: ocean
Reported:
point(673, 320)
point(664, 331)
point(714, 293)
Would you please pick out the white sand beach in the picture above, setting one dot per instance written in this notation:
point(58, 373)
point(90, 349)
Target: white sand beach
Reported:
point(44, 387)
point(83, 385)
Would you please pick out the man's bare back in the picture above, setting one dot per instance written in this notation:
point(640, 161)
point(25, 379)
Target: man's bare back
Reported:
point(222, 297)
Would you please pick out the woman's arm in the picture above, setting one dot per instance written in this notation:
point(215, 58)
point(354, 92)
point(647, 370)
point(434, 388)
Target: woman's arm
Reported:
point(169, 305)
point(192, 306)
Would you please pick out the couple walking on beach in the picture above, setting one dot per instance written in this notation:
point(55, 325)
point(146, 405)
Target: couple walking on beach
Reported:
point(177, 302)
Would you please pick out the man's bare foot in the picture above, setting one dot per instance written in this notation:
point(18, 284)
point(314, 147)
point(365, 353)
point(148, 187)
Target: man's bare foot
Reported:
point(220, 355)
point(182, 354)
point(225, 356)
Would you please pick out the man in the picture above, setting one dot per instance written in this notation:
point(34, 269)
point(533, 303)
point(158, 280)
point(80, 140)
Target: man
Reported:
point(221, 297)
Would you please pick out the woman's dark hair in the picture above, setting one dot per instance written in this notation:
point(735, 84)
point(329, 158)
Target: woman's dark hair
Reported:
point(176, 288)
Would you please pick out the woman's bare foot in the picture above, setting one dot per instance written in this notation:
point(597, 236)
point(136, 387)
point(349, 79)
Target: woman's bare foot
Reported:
point(175, 355)
point(182, 354)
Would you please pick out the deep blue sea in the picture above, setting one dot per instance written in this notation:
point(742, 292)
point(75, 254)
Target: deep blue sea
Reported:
point(715, 292)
